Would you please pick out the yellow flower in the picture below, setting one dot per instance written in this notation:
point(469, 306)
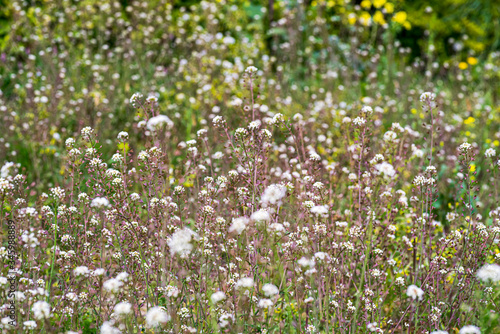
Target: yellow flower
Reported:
point(463, 65)
point(351, 18)
point(469, 120)
point(400, 17)
point(364, 19)
point(472, 168)
point(407, 25)
point(379, 3)
point(378, 18)
point(330, 4)
point(389, 8)
point(366, 4)
point(472, 60)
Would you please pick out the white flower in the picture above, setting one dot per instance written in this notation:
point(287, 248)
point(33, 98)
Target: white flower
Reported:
point(112, 285)
point(490, 153)
point(489, 272)
point(273, 195)
point(29, 325)
point(155, 123)
point(265, 303)
point(244, 282)
point(123, 308)
point(464, 147)
point(251, 70)
point(470, 329)
point(238, 225)
point(320, 210)
point(81, 271)
point(123, 136)
point(415, 292)
point(156, 316)
point(385, 168)
point(41, 310)
point(99, 202)
point(270, 289)
point(180, 242)
point(107, 328)
point(439, 332)
point(217, 297)
point(260, 215)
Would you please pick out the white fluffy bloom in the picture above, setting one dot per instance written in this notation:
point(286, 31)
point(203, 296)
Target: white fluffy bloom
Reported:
point(156, 316)
point(270, 289)
point(112, 285)
point(244, 282)
point(385, 168)
point(41, 310)
point(99, 202)
point(238, 225)
point(81, 271)
point(217, 297)
point(489, 272)
point(180, 242)
point(154, 123)
point(320, 210)
point(273, 195)
point(265, 303)
point(260, 215)
point(439, 332)
point(107, 328)
point(470, 329)
point(123, 308)
point(415, 292)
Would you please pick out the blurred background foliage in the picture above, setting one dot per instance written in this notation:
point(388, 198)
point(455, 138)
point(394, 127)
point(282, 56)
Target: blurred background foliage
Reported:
point(66, 64)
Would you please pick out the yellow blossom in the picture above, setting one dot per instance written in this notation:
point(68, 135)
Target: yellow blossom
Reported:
point(400, 17)
point(379, 3)
point(378, 18)
point(366, 4)
point(472, 60)
point(389, 8)
point(351, 18)
point(463, 65)
point(364, 19)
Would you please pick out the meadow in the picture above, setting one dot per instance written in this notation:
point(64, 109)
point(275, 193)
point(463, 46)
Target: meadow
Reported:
point(244, 166)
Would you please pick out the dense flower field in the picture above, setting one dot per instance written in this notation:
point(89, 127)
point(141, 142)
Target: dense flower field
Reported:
point(247, 167)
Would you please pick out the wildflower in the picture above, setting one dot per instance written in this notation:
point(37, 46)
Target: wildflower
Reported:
point(108, 328)
point(439, 332)
point(489, 272)
point(112, 285)
point(470, 329)
point(244, 283)
point(238, 225)
point(273, 195)
point(180, 242)
point(87, 132)
point(29, 325)
point(386, 169)
point(99, 202)
point(122, 136)
point(490, 153)
point(270, 289)
point(123, 308)
point(251, 70)
point(81, 271)
point(465, 147)
point(41, 310)
point(155, 123)
point(260, 216)
point(415, 292)
point(265, 303)
point(135, 98)
point(217, 297)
